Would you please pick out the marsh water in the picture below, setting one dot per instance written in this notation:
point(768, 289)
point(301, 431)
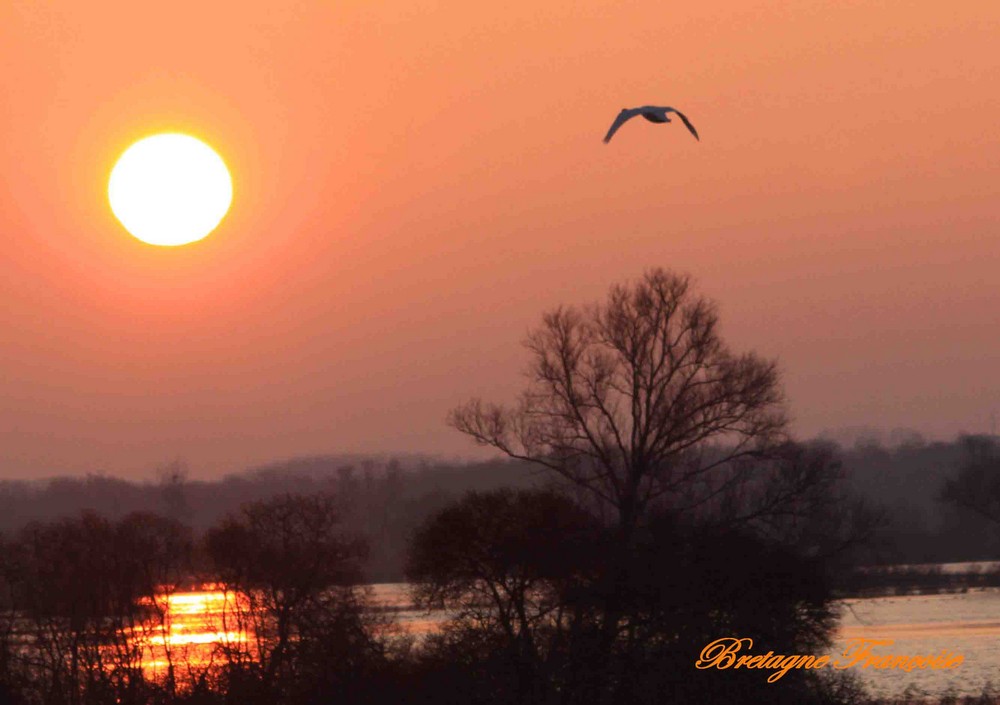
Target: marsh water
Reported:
point(963, 623)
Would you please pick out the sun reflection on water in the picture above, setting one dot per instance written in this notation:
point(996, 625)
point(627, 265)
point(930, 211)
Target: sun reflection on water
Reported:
point(187, 629)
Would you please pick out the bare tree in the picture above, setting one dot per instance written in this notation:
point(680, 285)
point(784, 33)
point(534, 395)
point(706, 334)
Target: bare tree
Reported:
point(499, 559)
point(638, 401)
point(638, 404)
point(506, 564)
point(293, 574)
point(159, 550)
point(82, 587)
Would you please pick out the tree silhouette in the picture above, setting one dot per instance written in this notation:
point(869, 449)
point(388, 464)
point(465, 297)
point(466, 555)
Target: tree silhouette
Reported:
point(637, 400)
point(506, 564)
point(639, 406)
point(292, 573)
point(79, 591)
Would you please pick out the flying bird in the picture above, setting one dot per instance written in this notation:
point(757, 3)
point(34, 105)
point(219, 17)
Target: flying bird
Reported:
point(652, 113)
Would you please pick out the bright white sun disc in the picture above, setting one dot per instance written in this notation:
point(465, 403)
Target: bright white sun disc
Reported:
point(170, 189)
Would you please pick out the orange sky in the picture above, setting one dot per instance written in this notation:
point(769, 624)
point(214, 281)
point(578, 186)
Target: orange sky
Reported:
point(416, 182)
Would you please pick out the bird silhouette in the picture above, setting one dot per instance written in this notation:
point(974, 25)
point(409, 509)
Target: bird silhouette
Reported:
point(652, 113)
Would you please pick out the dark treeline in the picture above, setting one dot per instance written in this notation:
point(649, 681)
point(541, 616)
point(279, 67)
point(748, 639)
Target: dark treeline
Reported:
point(384, 499)
point(908, 479)
point(84, 609)
point(390, 497)
point(525, 574)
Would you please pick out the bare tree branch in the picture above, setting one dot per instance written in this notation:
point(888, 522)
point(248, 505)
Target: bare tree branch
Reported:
point(624, 396)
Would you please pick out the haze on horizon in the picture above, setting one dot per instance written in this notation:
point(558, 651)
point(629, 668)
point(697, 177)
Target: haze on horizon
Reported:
point(415, 185)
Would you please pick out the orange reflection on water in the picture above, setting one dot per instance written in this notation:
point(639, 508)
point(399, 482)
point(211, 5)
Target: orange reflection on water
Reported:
point(186, 630)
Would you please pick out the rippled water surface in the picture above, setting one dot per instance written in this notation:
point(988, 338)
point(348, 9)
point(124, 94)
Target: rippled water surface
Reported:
point(967, 624)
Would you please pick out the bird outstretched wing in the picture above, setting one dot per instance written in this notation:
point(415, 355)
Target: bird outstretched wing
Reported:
point(623, 117)
point(687, 123)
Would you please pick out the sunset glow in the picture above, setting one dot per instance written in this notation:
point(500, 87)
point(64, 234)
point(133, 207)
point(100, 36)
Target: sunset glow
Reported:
point(456, 153)
point(170, 189)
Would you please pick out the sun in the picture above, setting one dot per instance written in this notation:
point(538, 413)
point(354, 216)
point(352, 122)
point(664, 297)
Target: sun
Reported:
point(170, 189)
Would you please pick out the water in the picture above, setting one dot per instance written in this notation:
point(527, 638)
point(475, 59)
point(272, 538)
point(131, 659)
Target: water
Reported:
point(396, 598)
point(196, 622)
point(967, 624)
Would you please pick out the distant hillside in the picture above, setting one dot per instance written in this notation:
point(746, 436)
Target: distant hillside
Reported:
point(383, 498)
point(386, 497)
